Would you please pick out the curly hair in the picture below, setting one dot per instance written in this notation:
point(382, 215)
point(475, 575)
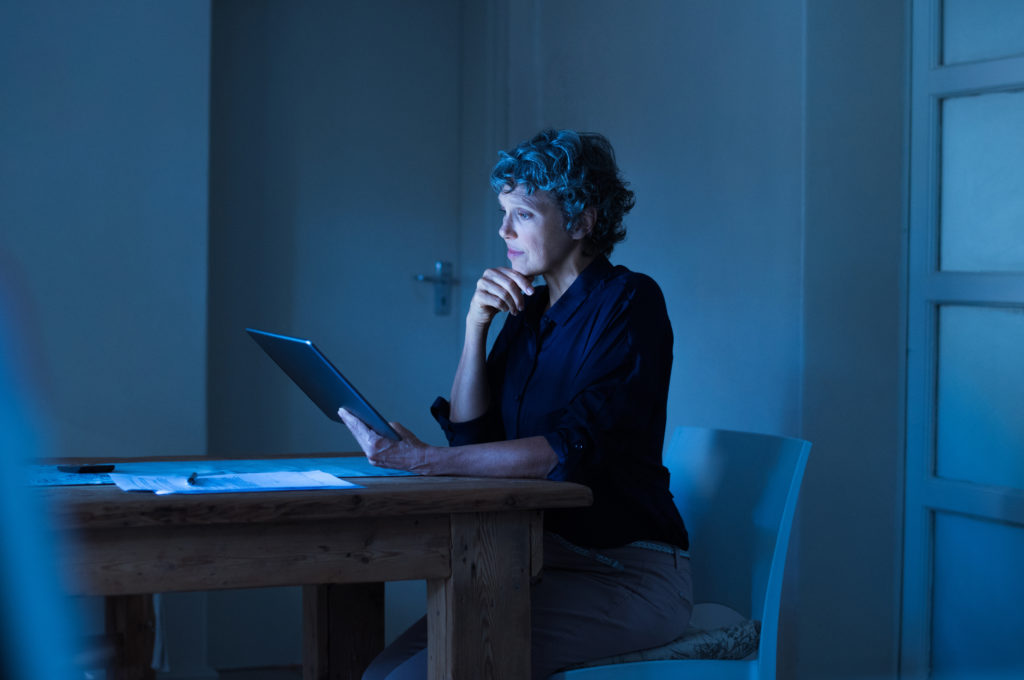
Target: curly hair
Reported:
point(579, 171)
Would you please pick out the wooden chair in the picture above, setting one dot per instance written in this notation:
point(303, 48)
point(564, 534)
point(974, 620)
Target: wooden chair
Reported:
point(737, 492)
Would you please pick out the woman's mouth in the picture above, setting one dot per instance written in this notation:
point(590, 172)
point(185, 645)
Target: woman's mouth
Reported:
point(514, 253)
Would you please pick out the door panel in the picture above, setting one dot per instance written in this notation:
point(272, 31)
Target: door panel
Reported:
point(973, 30)
point(976, 614)
point(964, 500)
point(980, 434)
point(982, 216)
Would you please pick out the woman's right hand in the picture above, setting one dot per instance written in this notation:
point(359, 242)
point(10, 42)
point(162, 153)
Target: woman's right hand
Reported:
point(500, 289)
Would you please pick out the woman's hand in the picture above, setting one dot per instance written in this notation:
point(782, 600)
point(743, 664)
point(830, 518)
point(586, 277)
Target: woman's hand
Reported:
point(409, 453)
point(500, 289)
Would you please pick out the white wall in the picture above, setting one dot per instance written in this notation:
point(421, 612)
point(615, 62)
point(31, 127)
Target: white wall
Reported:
point(335, 179)
point(103, 184)
point(851, 525)
point(703, 106)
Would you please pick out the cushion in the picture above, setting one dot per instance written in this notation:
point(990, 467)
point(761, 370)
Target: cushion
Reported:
point(737, 641)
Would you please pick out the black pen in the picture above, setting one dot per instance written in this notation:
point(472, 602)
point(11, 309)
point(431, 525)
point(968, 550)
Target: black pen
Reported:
point(193, 479)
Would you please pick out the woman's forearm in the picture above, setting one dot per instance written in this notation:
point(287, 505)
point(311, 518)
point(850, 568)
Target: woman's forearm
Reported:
point(499, 289)
point(527, 457)
point(531, 457)
point(470, 392)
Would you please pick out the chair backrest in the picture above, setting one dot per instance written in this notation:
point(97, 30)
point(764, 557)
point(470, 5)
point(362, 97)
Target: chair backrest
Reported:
point(737, 492)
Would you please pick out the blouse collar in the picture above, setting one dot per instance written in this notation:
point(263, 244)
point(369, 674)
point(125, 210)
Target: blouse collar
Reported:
point(589, 279)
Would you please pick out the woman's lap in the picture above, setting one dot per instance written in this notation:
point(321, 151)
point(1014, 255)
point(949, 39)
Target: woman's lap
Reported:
point(584, 607)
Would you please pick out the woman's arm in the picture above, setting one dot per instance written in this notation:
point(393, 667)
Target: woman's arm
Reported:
point(528, 457)
point(498, 290)
point(470, 392)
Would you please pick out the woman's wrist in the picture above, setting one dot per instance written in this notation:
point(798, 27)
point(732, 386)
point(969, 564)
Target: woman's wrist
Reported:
point(441, 460)
point(477, 328)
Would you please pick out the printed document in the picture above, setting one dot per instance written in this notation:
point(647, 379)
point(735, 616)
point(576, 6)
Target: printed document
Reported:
point(231, 482)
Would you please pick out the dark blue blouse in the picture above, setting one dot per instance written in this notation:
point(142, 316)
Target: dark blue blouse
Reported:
point(591, 375)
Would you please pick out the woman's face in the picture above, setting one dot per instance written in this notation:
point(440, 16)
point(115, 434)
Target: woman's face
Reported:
point(534, 231)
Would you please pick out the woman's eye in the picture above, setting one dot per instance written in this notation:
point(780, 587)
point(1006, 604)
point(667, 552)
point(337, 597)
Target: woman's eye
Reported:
point(523, 215)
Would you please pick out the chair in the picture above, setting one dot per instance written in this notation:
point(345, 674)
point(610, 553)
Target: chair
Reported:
point(737, 492)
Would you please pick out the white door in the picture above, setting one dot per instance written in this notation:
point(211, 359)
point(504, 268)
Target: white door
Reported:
point(964, 539)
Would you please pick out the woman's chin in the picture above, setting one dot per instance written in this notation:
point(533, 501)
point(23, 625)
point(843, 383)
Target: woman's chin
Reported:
point(516, 265)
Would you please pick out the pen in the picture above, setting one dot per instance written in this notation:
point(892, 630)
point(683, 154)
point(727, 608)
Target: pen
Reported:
point(193, 479)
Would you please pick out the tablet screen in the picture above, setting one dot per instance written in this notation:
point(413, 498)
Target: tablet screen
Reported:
point(319, 379)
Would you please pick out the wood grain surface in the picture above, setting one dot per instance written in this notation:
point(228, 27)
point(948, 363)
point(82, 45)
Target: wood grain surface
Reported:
point(476, 541)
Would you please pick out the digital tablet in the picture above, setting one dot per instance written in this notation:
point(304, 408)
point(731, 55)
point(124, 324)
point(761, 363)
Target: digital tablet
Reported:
point(319, 379)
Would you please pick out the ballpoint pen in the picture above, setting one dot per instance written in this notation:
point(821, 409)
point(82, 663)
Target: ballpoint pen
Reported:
point(193, 479)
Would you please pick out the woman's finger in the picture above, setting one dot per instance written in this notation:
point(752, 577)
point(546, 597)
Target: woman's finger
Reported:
point(523, 282)
point(493, 299)
point(509, 279)
point(498, 289)
point(360, 430)
point(505, 290)
point(406, 435)
point(485, 304)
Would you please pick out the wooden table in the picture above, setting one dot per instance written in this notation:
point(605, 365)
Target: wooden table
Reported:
point(476, 541)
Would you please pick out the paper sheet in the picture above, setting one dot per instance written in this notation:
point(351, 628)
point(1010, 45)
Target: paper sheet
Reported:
point(342, 466)
point(279, 480)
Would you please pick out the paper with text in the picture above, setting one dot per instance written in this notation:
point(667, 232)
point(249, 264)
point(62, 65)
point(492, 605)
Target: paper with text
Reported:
point(280, 480)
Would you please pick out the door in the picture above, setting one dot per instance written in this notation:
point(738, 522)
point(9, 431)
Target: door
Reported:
point(964, 537)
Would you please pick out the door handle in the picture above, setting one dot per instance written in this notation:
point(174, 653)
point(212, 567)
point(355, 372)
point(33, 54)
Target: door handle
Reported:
point(443, 282)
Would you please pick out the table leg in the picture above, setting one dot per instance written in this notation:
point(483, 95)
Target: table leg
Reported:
point(131, 626)
point(342, 629)
point(479, 617)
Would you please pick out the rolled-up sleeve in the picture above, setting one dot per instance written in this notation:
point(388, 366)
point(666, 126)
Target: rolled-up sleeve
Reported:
point(570, 445)
point(486, 428)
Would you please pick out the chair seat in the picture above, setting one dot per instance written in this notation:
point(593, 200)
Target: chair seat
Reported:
point(711, 616)
point(715, 632)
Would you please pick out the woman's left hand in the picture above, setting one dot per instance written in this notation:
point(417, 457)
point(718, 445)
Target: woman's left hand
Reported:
point(409, 453)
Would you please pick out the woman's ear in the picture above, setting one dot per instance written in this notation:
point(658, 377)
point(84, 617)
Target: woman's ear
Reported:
point(584, 223)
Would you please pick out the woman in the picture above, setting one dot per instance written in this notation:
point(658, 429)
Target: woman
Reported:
point(575, 388)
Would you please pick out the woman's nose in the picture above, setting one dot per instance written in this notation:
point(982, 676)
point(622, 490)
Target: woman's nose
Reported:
point(505, 230)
